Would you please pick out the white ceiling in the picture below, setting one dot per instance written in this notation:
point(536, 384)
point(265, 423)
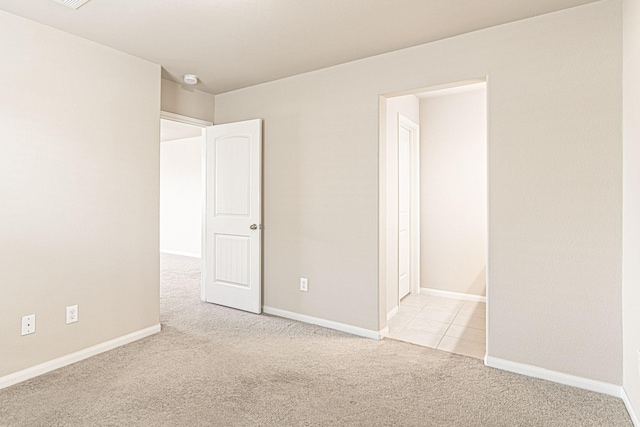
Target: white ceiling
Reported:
point(232, 44)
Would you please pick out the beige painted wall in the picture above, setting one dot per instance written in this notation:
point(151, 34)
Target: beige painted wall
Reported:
point(79, 156)
point(409, 106)
point(187, 101)
point(181, 196)
point(453, 192)
point(554, 183)
point(631, 197)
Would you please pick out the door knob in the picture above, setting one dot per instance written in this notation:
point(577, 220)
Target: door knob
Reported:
point(253, 227)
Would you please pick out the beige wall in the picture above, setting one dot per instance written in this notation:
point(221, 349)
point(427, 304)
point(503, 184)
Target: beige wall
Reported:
point(554, 183)
point(181, 196)
point(631, 210)
point(409, 106)
point(79, 156)
point(453, 192)
point(187, 101)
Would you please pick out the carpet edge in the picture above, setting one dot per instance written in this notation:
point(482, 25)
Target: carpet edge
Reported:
point(554, 376)
point(630, 410)
point(343, 327)
point(52, 365)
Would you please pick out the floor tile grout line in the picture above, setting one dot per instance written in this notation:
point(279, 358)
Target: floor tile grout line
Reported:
point(450, 323)
point(421, 307)
point(449, 327)
point(439, 341)
point(471, 327)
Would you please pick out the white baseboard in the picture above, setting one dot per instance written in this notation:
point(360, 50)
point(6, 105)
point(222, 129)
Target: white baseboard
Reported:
point(392, 312)
point(456, 295)
point(354, 330)
point(556, 377)
point(189, 254)
point(630, 410)
point(52, 365)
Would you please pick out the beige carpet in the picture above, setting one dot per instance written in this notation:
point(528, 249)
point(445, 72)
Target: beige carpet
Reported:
point(214, 366)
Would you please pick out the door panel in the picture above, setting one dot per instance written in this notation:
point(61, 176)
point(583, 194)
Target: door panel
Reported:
point(232, 255)
point(233, 173)
point(233, 215)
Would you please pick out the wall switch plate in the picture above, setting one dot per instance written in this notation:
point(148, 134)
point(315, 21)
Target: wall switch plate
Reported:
point(28, 324)
point(72, 314)
point(304, 284)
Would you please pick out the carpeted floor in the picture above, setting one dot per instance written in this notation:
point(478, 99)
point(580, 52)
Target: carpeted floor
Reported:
point(214, 366)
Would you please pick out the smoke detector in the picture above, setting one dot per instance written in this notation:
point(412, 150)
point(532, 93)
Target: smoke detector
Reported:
point(190, 79)
point(73, 4)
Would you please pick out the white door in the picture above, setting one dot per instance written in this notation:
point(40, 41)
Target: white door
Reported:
point(408, 207)
point(404, 210)
point(232, 256)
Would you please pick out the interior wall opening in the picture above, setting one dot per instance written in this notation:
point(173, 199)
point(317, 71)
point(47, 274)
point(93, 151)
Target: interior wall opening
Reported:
point(434, 217)
point(181, 197)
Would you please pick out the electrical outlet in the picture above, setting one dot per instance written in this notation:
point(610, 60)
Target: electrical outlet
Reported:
point(72, 314)
point(304, 284)
point(28, 324)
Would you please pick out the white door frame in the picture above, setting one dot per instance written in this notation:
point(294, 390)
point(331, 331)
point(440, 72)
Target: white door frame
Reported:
point(414, 212)
point(165, 115)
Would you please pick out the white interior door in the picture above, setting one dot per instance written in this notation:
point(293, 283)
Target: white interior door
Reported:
point(404, 210)
point(408, 207)
point(233, 213)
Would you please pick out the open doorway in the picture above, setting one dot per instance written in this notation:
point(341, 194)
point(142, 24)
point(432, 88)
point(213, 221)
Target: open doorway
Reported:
point(210, 211)
point(435, 225)
point(181, 205)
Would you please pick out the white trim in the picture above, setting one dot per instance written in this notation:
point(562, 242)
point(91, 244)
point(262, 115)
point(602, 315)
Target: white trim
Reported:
point(435, 87)
point(354, 330)
point(184, 119)
point(189, 254)
point(392, 312)
point(556, 377)
point(456, 295)
point(452, 90)
point(487, 282)
point(629, 406)
point(414, 200)
point(203, 201)
point(52, 365)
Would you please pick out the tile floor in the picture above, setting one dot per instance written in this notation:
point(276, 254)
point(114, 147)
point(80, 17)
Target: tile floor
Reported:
point(447, 324)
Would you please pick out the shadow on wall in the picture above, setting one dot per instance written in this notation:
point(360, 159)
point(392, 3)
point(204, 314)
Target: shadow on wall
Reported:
point(479, 284)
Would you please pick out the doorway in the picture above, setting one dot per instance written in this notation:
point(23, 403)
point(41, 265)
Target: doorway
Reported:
point(210, 207)
point(181, 200)
point(446, 309)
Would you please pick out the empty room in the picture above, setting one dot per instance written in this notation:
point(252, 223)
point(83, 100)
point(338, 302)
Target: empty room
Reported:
point(248, 271)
